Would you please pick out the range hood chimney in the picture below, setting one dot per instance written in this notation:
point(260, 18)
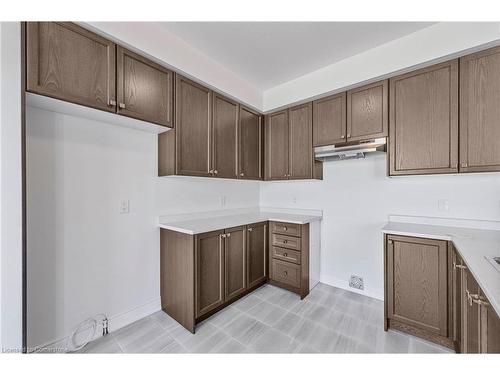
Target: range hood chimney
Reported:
point(353, 151)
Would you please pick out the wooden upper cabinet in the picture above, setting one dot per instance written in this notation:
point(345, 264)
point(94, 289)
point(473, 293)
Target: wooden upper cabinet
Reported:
point(209, 260)
point(144, 89)
point(250, 145)
point(424, 121)
point(224, 137)
point(235, 261)
point(256, 253)
point(67, 62)
point(277, 146)
point(480, 111)
point(417, 284)
point(193, 113)
point(329, 120)
point(300, 134)
point(367, 112)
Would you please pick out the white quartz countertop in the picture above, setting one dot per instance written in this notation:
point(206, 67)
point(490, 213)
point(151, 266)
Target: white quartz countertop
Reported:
point(203, 222)
point(472, 243)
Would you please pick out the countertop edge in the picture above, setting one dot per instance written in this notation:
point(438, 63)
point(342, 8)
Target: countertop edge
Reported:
point(178, 226)
point(417, 234)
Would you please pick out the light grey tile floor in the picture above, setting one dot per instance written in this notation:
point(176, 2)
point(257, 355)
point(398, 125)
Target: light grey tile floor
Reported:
point(272, 320)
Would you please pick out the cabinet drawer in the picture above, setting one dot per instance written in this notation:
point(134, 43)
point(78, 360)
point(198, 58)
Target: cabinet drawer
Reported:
point(286, 273)
point(286, 241)
point(286, 228)
point(287, 255)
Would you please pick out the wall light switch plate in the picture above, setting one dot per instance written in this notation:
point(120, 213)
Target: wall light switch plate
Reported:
point(222, 200)
point(443, 205)
point(124, 206)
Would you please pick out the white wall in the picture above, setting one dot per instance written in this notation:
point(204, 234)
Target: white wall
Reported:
point(432, 43)
point(84, 257)
point(11, 187)
point(356, 197)
point(176, 195)
point(152, 39)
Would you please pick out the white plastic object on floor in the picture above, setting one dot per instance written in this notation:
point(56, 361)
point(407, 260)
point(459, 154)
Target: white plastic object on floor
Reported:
point(88, 324)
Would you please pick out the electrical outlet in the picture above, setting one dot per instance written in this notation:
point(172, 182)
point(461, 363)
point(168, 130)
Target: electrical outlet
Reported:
point(124, 206)
point(294, 200)
point(356, 282)
point(443, 205)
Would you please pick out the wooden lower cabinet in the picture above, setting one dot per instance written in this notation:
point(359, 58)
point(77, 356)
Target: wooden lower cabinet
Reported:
point(490, 330)
point(457, 277)
point(235, 261)
point(416, 272)
point(209, 261)
point(430, 293)
point(256, 253)
point(289, 257)
point(480, 323)
point(202, 273)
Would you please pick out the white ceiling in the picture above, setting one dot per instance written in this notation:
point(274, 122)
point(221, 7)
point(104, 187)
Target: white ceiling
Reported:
point(267, 54)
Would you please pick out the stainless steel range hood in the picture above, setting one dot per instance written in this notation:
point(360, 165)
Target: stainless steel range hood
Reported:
point(352, 151)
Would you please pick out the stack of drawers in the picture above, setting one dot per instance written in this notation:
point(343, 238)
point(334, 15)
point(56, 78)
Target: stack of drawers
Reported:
point(289, 253)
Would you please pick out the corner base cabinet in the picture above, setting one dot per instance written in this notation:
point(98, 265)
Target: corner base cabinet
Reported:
point(431, 293)
point(201, 274)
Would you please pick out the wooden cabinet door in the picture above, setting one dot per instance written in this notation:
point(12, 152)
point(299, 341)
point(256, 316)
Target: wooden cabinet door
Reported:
point(490, 329)
point(424, 121)
point(329, 120)
point(368, 112)
point(256, 253)
point(277, 146)
point(470, 315)
point(144, 89)
point(225, 141)
point(480, 111)
point(193, 113)
point(67, 62)
point(209, 260)
point(300, 143)
point(417, 283)
point(235, 261)
point(250, 145)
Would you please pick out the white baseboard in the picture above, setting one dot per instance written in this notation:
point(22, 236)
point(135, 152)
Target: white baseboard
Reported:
point(115, 322)
point(125, 318)
point(343, 284)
